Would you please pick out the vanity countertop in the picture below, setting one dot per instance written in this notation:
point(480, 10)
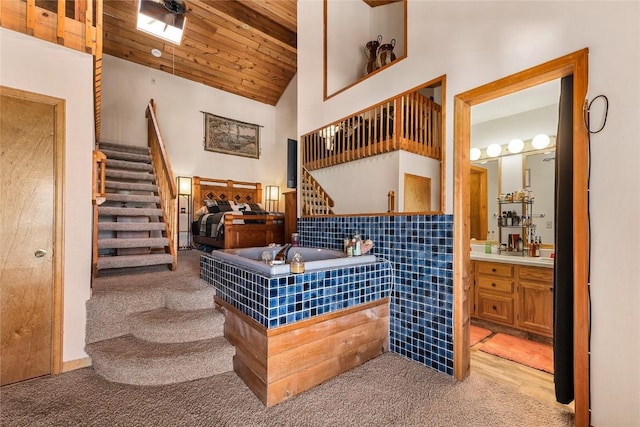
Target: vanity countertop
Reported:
point(510, 259)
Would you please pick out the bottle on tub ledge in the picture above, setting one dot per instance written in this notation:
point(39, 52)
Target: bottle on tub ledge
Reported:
point(357, 245)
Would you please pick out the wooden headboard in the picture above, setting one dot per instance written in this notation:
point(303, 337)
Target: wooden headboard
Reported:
point(225, 189)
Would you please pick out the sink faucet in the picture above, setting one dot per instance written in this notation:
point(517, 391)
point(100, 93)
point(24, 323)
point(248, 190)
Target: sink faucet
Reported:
point(282, 253)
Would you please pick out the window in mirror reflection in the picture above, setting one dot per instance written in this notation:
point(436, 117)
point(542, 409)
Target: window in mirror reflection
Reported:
point(361, 38)
point(384, 159)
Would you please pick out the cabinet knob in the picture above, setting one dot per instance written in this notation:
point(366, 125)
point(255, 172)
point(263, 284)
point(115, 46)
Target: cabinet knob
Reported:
point(494, 307)
point(493, 270)
point(493, 284)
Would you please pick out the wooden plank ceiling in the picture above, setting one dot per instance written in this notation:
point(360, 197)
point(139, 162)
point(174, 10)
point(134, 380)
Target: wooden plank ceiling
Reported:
point(245, 47)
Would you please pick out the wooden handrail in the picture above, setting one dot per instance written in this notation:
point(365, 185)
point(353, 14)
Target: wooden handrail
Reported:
point(98, 190)
point(327, 202)
point(167, 189)
point(409, 122)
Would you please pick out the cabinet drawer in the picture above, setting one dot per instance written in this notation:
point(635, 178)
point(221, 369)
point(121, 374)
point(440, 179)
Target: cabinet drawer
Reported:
point(495, 308)
point(497, 284)
point(495, 269)
point(539, 274)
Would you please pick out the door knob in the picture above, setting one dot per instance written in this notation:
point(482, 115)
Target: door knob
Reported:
point(40, 253)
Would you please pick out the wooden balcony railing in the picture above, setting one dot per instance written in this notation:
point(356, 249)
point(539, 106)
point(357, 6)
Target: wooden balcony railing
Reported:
point(74, 24)
point(167, 190)
point(410, 122)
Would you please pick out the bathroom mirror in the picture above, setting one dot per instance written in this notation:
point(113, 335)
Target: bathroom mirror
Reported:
point(361, 38)
point(522, 115)
point(385, 159)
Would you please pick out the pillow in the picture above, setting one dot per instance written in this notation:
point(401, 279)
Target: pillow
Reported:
point(224, 206)
point(256, 207)
point(203, 210)
point(241, 207)
point(212, 206)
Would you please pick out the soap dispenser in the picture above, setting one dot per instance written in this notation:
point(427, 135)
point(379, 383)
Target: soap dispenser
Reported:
point(297, 263)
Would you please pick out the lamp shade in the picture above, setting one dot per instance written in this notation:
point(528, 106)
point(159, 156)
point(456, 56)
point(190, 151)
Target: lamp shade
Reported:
point(184, 185)
point(272, 197)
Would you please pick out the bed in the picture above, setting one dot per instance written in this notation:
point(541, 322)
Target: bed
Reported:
point(228, 215)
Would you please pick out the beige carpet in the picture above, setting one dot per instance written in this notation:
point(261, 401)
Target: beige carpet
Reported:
point(387, 391)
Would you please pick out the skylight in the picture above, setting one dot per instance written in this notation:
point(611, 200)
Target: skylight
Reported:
point(157, 20)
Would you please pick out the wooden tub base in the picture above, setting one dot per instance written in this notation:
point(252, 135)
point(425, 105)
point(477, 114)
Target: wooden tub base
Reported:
point(282, 362)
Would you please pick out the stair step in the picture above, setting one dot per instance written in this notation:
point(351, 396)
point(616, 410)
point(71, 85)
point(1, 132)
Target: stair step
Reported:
point(123, 148)
point(121, 155)
point(135, 176)
point(140, 198)
point(131, 226)
point(172, 326)
point(129, 360)
point(125, 164)
point(107, 262)
point(117, 185)
point(118, 211)
point(119, 243)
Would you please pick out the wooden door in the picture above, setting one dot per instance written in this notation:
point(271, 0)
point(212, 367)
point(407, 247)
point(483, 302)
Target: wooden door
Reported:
point(28, 137)
point(478, 203)
point(417, 193)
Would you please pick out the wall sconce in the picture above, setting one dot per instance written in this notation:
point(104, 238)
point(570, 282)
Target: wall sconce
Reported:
point(272, 198)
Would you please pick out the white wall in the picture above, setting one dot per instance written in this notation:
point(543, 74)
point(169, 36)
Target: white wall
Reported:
point(361, 185)
point(33, 65)
point(475, 43)
point(128, 87)
point(286, 128)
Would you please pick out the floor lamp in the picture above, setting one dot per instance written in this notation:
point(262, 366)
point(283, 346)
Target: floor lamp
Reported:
point(184, 211)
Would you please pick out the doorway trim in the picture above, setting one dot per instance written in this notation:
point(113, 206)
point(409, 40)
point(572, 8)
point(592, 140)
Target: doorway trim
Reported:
point(575, 64)
point(58, 214)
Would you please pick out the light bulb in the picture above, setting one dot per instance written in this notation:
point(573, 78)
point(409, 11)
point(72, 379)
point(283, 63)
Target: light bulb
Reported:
point(540, 141)
point(515, 145)
point(494, 150)
point(475, 154)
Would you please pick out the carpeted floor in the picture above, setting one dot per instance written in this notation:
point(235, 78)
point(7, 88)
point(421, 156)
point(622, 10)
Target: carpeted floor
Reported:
point(387, 391)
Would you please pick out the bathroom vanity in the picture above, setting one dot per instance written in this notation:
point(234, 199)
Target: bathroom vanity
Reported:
point(513, 291)
point(292, 332)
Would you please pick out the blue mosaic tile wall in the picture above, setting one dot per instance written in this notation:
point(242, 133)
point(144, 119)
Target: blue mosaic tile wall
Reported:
point(420, 249)
point(283, 299)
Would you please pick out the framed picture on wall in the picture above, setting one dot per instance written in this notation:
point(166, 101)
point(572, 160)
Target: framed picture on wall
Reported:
point(228, 136)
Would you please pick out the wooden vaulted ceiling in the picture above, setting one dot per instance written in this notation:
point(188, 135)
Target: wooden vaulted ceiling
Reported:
point(245, 47)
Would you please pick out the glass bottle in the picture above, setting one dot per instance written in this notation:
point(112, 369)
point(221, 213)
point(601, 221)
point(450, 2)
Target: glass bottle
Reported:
point(357, 245)
point(297, 263)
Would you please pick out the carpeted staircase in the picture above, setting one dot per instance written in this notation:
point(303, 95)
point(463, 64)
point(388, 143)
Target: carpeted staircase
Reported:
point(131, 229)
point(153, 328)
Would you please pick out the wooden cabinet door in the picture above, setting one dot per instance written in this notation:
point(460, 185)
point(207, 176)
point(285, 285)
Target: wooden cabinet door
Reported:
point(496, 308)
point(535, 308)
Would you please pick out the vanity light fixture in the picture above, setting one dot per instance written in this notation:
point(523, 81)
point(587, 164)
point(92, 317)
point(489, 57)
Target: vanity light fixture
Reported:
point(540, 141)
point(494, 150)
point(475, 154)
point(515, 145)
